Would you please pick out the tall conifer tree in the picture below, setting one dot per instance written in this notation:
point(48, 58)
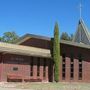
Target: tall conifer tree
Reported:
point(56, 53)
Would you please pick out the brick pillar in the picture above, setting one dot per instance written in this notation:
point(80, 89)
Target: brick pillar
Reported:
point(34, 67)
point(76, 70)
point(41, 68)
point(67, 78)
point(83, 71)
point(47, 78)
point(86, 71)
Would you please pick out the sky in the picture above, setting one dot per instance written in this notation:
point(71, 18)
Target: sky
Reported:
point(39, 16)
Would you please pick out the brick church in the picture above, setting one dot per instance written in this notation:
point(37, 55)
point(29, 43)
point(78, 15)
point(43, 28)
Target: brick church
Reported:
point(29, 59)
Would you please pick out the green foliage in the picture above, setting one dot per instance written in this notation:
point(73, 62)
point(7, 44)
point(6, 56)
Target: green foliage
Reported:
point(9, 37)
point(56, 53)
point(65, 36)
point(0, 38)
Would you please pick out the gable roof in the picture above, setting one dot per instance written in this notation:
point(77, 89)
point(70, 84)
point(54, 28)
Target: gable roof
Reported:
point(28, 36)
point(82, 34)
point(80, 45)
point(24, 50)
point(33, 51)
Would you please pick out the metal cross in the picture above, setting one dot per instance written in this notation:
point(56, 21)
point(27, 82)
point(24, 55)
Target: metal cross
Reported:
point(80, 10)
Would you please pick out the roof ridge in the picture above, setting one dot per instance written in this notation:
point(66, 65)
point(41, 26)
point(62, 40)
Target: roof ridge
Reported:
point(27, 36)
point(85, 29)
point(39, 36)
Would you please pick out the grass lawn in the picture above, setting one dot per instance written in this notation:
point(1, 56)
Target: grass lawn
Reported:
point(54, 86)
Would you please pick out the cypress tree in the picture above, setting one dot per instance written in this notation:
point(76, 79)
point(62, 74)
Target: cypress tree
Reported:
point(56, 53)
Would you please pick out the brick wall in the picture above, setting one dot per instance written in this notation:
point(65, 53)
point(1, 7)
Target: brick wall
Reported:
point(76, 51)
point(24, 69)
point(37, 43)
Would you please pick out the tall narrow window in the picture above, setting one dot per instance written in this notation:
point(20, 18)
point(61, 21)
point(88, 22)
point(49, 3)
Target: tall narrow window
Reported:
point(80, 68)
point(31, 73)
point(71, 67)
point(44, 68)
point(38, 67)
point(63, 67)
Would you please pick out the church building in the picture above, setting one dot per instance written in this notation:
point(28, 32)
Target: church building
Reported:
point(29, 59)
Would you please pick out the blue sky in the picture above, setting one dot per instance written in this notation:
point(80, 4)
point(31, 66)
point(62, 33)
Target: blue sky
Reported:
point(39, 16)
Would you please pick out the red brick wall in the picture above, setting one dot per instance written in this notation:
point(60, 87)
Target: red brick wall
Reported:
point(37, 43)
point(23, 68)
point(68, 50)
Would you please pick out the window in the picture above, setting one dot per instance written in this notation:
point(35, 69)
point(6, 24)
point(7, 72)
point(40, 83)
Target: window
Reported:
point(71, 75)
point(80, 76)
point(71, 67)
point(80, 68)
point(38, 67)
point(80, 60)
point(31, 74)
point(15, 68)
point(44, 68)
point(80, 65)
point(63, 66)
point(63, 58)
point(72, 60)
point(72, 70)
point(63, 69)
point(63, 76)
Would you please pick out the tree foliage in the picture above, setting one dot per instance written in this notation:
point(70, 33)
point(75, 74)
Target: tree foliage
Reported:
point(9, 37)
point(56, 53)
point(65, 36)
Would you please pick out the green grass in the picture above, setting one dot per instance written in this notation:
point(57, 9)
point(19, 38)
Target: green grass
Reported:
point(54, 86)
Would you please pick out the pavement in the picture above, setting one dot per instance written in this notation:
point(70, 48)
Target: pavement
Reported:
point(9, 86)
point(2, 88)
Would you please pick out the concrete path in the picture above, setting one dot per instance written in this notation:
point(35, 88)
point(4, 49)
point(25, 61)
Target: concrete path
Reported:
point(12, 89)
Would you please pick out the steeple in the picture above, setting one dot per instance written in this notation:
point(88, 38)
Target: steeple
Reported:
point(82, 34)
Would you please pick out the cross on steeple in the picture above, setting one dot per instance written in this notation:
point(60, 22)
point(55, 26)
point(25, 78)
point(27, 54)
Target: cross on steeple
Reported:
point(80, 7)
